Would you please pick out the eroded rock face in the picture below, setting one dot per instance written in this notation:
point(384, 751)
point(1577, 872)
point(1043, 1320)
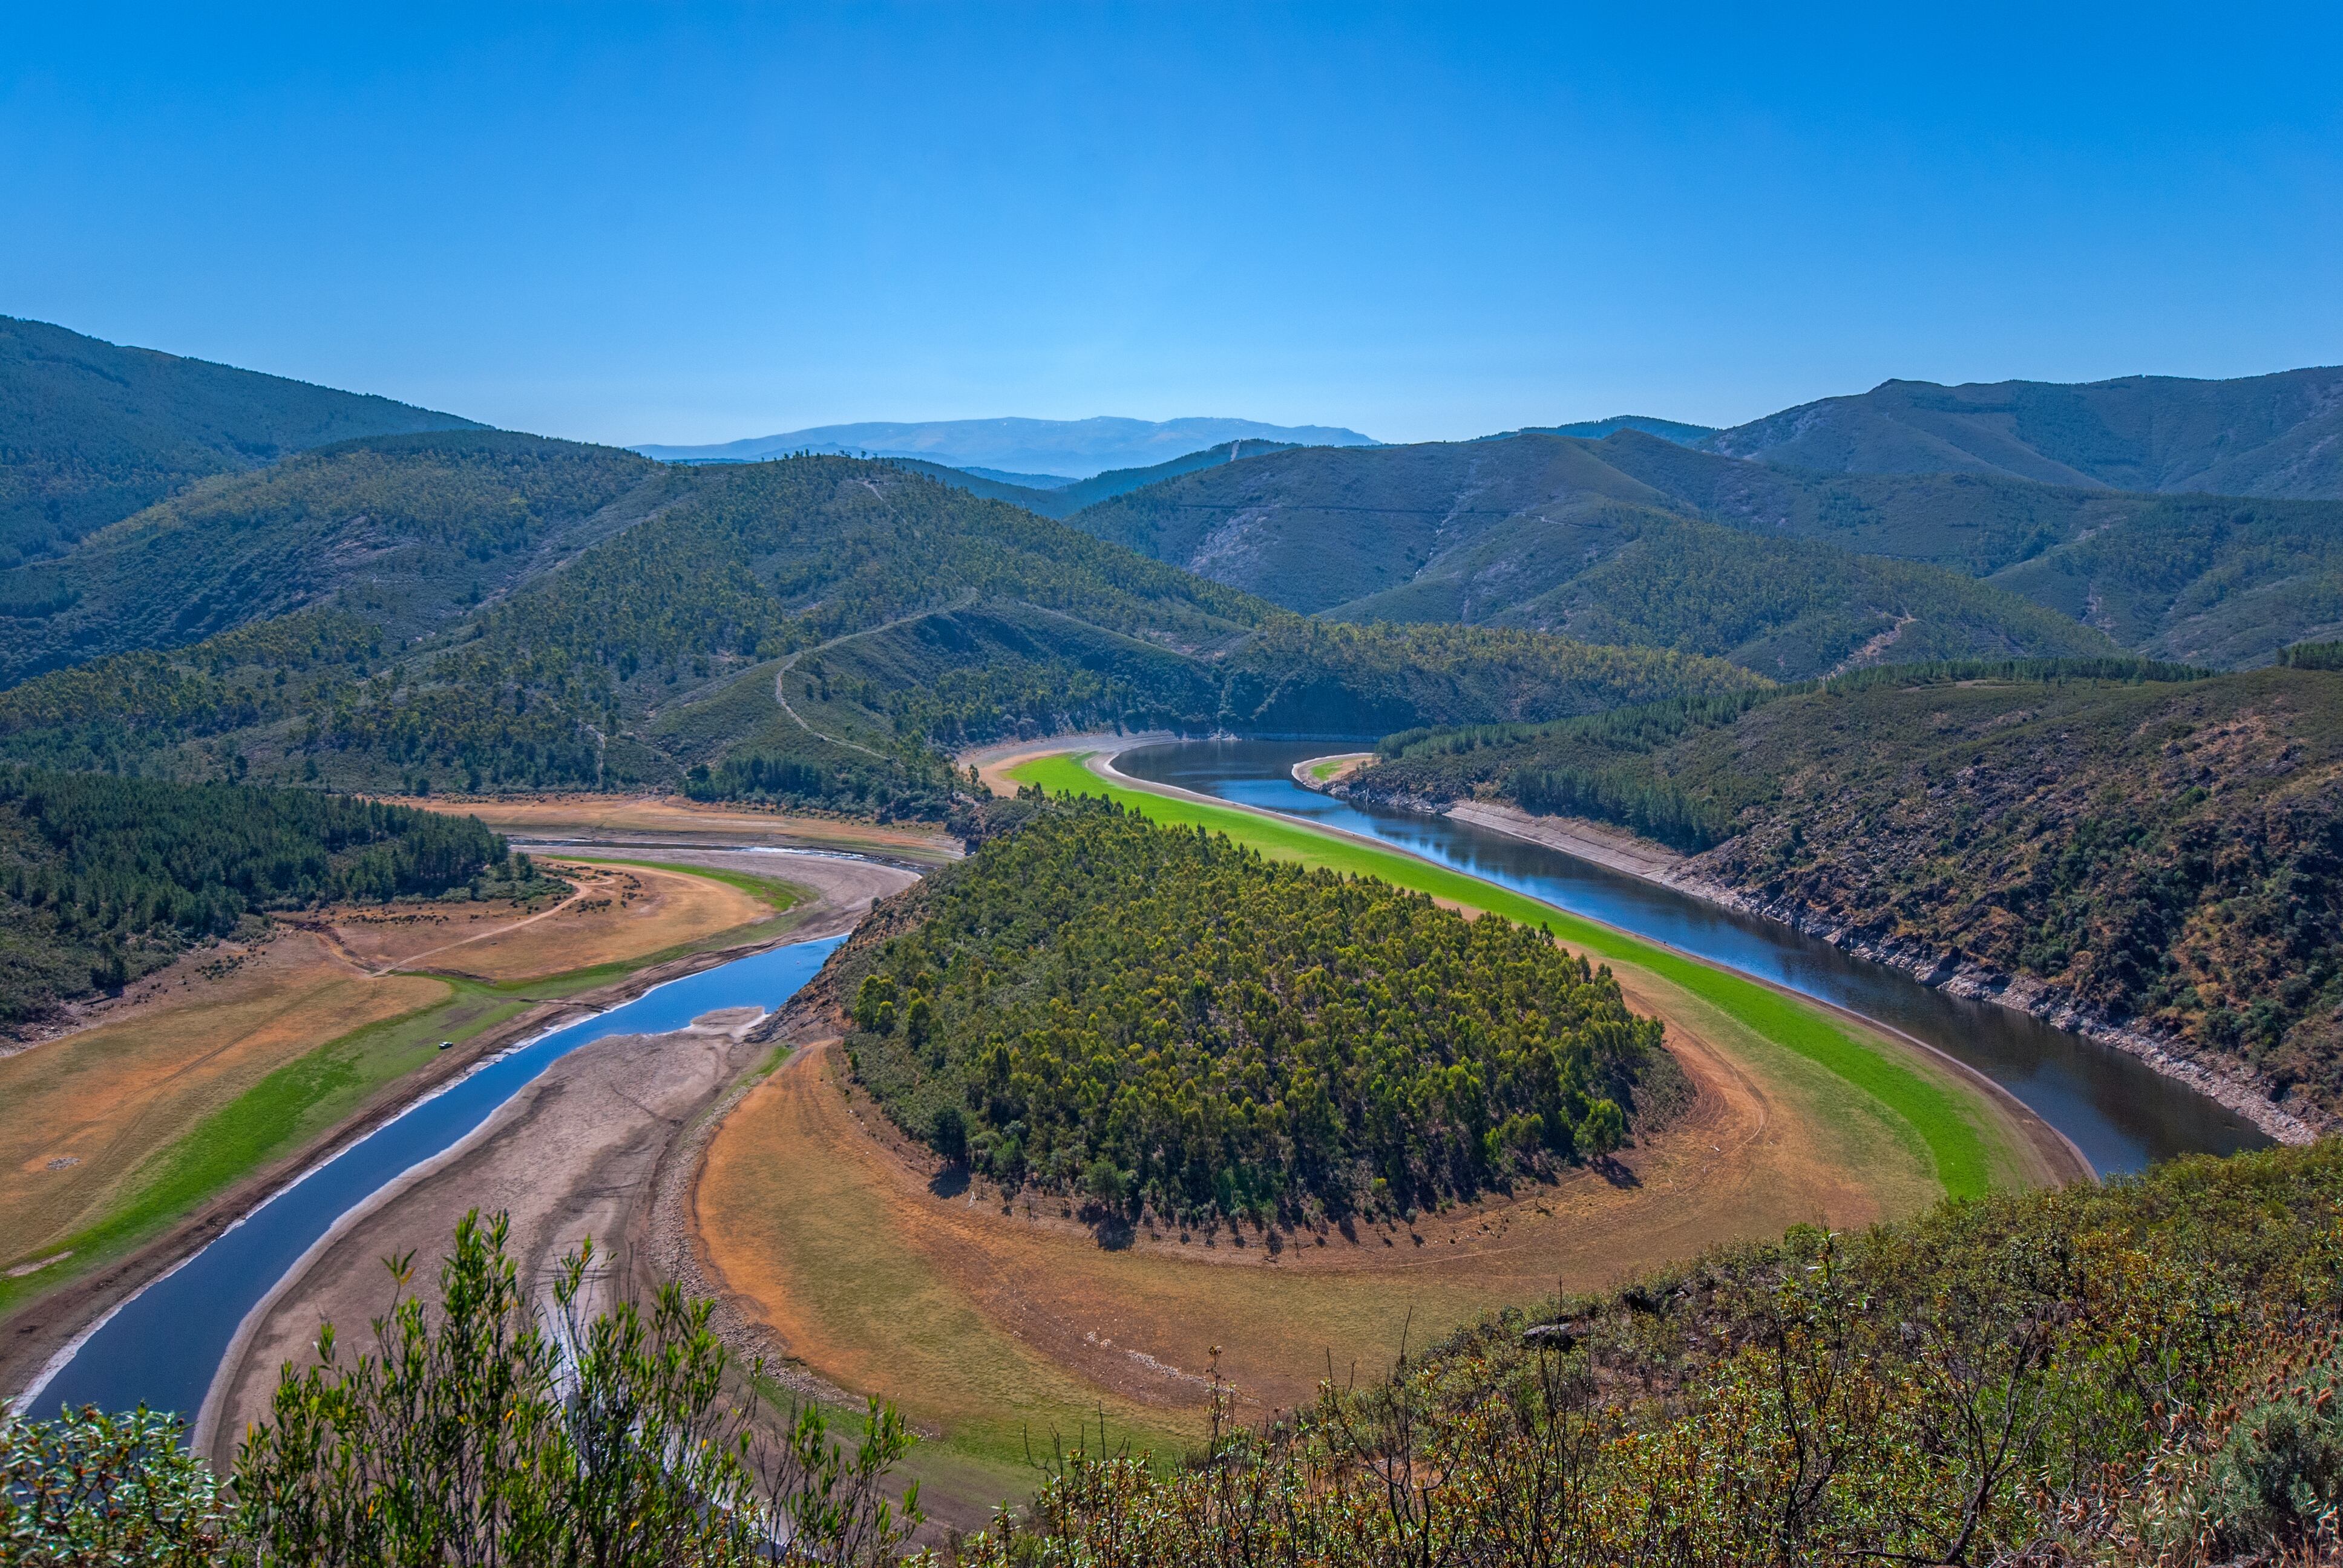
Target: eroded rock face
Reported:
point(2162, 876)
point(2290, 1117)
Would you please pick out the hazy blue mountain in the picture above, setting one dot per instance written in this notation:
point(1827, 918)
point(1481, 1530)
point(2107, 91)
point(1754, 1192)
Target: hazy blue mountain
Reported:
point(2278, 435)
point(1079, 448)
point(91, 432)
point(1023, 481)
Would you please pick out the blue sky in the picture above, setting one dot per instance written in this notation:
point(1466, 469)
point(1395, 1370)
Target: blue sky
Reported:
point(693, 224)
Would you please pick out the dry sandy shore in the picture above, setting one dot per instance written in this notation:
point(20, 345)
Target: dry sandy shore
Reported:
point(565, 1159)
point(572, 1155)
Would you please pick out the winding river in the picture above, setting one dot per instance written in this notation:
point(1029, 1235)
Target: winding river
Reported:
point(2121, 1113)
point(162, 1346)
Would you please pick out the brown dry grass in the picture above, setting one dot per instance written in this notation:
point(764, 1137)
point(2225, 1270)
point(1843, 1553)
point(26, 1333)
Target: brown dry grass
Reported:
point(87, 1114)
point(663, 816)
point(619, 912)
point(987, 1327)
point(86, 1110)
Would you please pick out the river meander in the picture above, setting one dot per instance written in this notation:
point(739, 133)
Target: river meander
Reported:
point(2121, 1113)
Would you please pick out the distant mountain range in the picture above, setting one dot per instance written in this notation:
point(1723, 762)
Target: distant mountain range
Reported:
point(1674, 430)
point(2280, 436)
point(1065, 498)
point(1036, 453)
point(257, 498)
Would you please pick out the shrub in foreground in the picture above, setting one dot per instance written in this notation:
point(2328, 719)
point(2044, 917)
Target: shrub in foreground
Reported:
point(483, 1431)
point(2141, 1373)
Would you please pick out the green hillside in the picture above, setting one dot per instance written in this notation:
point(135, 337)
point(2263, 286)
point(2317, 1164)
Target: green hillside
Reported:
point(1550, 534)
point(92, 432)
point(799, 631)
point(2159, 851)
point(2273, 436)
point(2209, 578)
point(409, 531)
point(1598, 540)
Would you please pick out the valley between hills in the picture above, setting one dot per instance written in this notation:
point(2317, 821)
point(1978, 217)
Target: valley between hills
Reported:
point(750, 866)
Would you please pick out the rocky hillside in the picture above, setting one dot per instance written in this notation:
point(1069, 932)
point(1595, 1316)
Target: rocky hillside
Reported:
point(2161, 858)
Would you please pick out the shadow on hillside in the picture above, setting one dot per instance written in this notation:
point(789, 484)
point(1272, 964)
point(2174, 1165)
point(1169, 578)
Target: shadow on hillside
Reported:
point(949, 1182)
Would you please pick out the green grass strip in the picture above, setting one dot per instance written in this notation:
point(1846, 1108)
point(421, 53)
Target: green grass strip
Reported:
point(286, 1108)
point(1963, 1167)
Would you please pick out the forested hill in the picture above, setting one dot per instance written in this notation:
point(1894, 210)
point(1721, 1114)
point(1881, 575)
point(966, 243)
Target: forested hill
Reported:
point(1168, 1026)
point(1547, 533)
point(92, 432)
point(1599, 540)
point(104, 878)
point(2278, 435)
point(410, 532)
point(797, 630)
point(2159, 852)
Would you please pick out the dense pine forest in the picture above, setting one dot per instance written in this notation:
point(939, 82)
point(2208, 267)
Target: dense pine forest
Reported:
point(1159, 1022)
point(893, 616)
point(2161, 846)
point(93, 432)
point(412, 530)
point(107, 877)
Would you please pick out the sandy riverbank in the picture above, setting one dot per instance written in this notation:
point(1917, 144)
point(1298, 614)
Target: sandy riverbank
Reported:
point(569, 1156)
point(843, 889)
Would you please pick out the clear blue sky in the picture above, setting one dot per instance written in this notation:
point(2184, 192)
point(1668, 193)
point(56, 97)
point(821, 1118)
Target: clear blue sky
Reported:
point(684, 224)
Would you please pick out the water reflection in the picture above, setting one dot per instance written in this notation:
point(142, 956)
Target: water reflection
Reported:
point(2121, 1114)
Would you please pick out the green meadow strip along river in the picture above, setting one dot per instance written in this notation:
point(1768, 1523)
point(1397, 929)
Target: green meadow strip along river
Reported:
point(1933, 1111)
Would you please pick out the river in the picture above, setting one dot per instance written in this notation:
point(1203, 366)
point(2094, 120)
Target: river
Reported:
point(2122, 1114)
point(163, 1345)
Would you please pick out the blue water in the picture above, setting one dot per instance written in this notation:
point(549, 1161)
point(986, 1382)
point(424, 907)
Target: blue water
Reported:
point(2120, 1113)
point(163, 1347)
